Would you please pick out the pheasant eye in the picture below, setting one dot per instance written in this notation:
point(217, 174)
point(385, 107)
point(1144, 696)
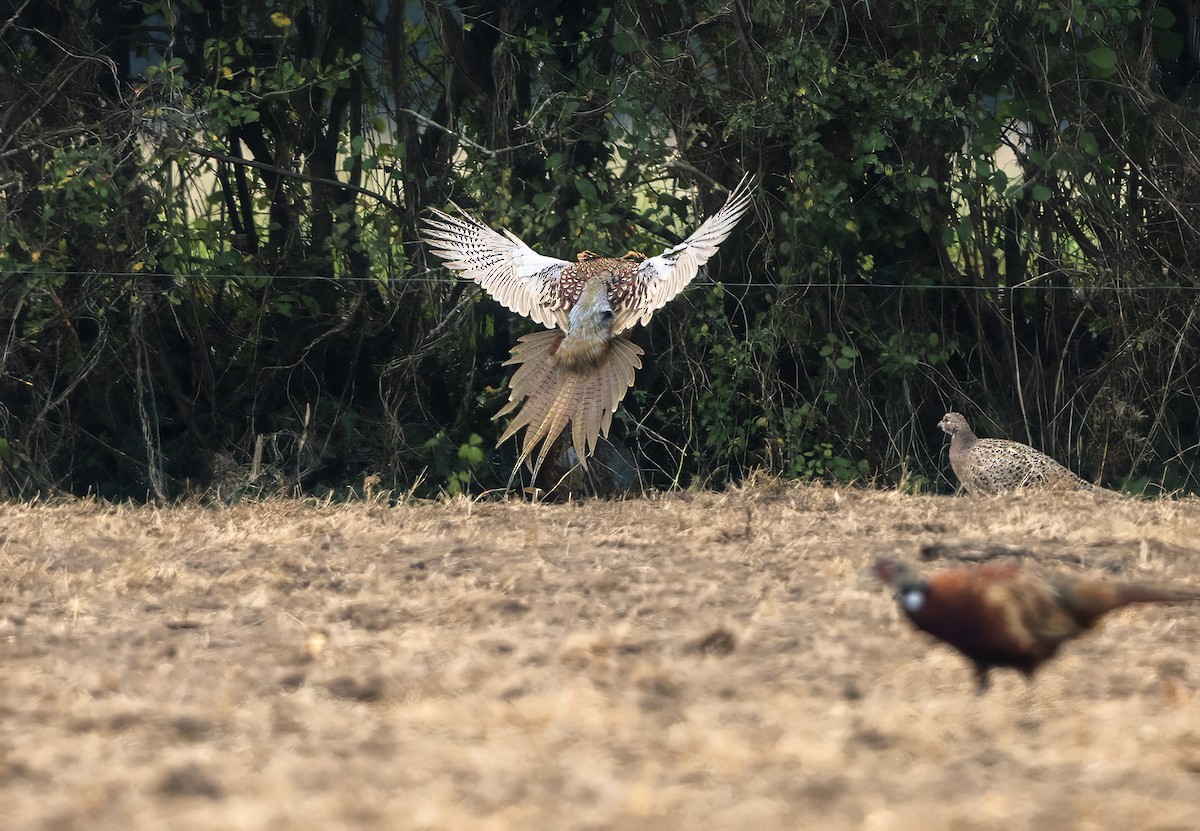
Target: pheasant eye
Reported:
point(607, 314)
point(912, 600)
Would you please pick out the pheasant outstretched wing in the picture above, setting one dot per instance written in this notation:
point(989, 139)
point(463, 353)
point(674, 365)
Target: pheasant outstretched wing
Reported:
point(659, 279)
point(514, 274)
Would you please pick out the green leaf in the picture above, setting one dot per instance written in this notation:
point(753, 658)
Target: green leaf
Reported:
point(586, 189)
point(1041, 193)
point(622, 43)
point(1103, 57)
point(1038, 158)
point(1103, 61)
point(471, 454)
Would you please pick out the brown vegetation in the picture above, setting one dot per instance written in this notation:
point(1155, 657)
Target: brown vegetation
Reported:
point(682, 661)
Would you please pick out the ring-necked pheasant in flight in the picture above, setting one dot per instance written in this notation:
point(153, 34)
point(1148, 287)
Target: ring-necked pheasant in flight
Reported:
point(579, 371)
point(1000, 615)
point(993, 466)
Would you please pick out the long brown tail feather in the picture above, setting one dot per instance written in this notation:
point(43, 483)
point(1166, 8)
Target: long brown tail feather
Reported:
point(1138, 593)
point(549, 396)
point(1089, 601)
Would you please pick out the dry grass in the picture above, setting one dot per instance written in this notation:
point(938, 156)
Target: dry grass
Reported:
point(687, 661)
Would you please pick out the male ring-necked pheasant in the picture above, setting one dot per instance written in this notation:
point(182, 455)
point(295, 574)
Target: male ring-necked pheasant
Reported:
point(991, 466)
point(1003, 615)
point(578, 372)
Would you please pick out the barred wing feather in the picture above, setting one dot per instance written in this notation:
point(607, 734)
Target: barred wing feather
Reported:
point(514, 274)
point(661, 278)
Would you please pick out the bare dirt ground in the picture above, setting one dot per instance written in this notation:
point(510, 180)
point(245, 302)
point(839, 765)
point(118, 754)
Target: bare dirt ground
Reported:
point(674, 662)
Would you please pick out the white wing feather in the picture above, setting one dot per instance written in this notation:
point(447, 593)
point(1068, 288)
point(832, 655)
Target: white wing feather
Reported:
point(514, 274)
point(661, 278)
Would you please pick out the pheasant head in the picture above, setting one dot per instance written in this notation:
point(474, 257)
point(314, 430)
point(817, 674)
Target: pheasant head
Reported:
point(910, 587)
point(954, 424)
point(590, 328)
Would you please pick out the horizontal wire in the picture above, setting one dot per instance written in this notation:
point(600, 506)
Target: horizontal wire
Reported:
point(696, 285)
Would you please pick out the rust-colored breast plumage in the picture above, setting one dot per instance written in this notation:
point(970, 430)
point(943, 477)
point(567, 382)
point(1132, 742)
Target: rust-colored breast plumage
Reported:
point(981, 611)
point(627, 287)
point(621, 275)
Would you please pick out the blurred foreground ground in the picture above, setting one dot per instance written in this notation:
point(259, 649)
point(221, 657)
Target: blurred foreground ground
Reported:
point(677, 662)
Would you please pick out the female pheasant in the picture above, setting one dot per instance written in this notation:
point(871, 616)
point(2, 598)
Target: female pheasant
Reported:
point(579, 371)
point(991, 466)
